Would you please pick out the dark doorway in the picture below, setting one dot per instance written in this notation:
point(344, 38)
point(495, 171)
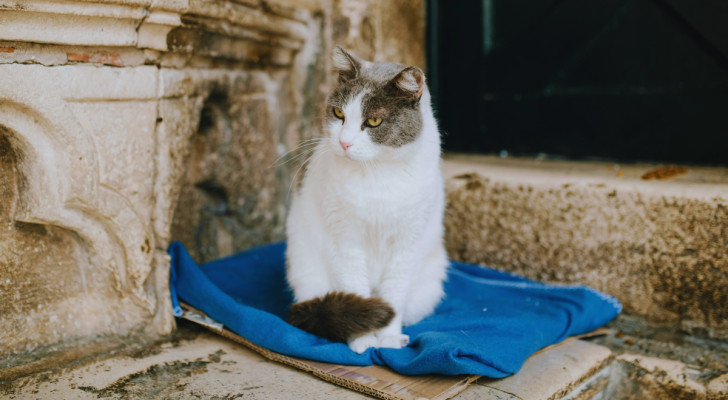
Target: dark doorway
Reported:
point(628, 80)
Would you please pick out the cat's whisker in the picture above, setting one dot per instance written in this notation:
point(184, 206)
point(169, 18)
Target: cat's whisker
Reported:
point(278, 161)
point(306, 144)
point(303, 144)
point(293, 180)
point(312, 157)
point(298, 156)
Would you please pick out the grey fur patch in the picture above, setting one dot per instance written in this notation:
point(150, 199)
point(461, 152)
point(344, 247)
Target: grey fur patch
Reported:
point(391, 92)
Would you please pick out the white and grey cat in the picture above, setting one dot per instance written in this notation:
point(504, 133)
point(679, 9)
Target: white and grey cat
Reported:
point(365, 234)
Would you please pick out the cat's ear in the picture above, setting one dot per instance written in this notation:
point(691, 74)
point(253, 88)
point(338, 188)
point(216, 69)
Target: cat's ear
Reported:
point(409, 83)
point(347, 65)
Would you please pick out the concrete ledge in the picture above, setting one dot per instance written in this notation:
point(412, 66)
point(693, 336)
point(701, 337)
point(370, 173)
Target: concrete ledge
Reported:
point(550, 374)
point(658, 246)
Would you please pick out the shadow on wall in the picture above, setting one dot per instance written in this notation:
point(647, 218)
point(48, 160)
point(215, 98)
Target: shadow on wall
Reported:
point(229, 196)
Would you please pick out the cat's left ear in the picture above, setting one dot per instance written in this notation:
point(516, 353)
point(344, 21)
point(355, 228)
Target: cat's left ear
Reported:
point(409, 83)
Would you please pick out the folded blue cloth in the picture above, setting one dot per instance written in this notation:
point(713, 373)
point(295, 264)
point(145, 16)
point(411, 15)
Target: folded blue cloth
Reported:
point(489, 323)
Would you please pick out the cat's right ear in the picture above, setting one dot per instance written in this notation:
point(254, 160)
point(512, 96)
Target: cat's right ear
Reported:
point(347, 65)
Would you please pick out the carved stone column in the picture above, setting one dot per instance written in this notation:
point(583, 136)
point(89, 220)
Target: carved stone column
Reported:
point(100, 103)
point(125, 124)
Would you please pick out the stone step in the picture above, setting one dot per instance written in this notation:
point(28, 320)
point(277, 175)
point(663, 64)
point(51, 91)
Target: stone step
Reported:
point(659, 246)
point(199, 364)
point(658, 362)
point(549, 374)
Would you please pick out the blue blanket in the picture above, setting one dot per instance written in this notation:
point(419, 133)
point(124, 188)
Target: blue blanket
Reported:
point(488, 323)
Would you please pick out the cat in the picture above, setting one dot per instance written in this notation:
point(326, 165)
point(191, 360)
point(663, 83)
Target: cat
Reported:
point(365, 253)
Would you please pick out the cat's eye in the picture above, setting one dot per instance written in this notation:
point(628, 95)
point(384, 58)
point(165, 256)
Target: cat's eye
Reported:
point(338, 113)
point(373, 122)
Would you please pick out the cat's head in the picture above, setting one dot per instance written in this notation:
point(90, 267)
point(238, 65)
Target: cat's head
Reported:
point(373, 112)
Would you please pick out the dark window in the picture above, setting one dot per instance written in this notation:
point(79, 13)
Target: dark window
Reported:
point(629, 80)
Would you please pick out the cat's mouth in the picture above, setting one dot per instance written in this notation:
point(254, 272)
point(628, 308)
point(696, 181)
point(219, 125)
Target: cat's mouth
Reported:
point(351, 155)
point(354, 156)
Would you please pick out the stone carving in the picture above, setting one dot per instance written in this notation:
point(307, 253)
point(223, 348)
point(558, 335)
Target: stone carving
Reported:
point(65, 187)
point(125, 124)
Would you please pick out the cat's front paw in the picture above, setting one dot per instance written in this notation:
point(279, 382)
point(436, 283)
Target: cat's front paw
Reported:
point(396, 341)
point(362, 343)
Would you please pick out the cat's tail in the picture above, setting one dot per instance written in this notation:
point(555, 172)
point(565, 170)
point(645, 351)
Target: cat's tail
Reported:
point(340, 316)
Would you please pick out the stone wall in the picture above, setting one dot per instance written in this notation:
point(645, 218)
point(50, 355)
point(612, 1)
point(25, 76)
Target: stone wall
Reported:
point(125, 124)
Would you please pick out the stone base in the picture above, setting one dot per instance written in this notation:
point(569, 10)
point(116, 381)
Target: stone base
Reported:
point(125, 124)
point(658, 246)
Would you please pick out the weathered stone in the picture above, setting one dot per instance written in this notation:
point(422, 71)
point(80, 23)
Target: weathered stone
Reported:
point(719, 386)
point(197, 365)
point(29, 297)
point(50, 22)
point(554, 372)
point(632, 334)
point(659, 247)
point(177, 122)
point(155, 28)
point(144, 121)
point(230, 198)
point(668, 373)
point(366, 28)
point(80, 242)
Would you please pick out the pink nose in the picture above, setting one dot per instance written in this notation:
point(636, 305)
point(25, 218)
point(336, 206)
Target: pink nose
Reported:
point(345, 145)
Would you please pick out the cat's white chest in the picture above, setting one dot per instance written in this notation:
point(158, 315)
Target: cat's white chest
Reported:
point(384, 197)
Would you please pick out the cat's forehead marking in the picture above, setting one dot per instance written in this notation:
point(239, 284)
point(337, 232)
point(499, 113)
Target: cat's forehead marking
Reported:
point(372, 76)
point(353, 109)
point(380, 72)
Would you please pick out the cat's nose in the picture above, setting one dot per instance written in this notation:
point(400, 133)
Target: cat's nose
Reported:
point(345, 145)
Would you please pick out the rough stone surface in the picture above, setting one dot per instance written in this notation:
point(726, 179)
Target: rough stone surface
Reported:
point(367, 28)
point(659, 247)
point(80, 242)
point(231, 198)
point(663, 378)
point(554, 372)
point(126, 124)
point(719, 386)
point(631, 334)
point(195, 364)
point(29, 297)
point(635, 377)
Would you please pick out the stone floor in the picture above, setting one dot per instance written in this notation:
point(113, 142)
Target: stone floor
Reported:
point(196, 364)
point(199, 364)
